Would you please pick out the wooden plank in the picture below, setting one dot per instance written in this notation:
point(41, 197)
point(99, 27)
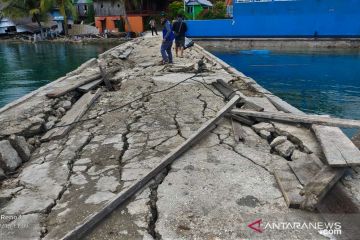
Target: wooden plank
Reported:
point(339, 150)
point(336, 199)
point(74, 82)
point(252, 106)
point(224, 91)
point(120, 198)
point(264, 103)
point(315, 190)
point(89, 86)
point(242, 120)
point(227, 91)
point(73, 115)
point(104, 77)
point(306, 167)
point(289, 186)
point(125, 54)
point(227, 86)
point(239, 133)
point(299, 118)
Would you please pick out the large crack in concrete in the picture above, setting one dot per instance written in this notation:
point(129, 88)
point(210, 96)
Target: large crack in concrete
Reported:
point(70, 164)
point(125, 141)
point(204, 103)
point(153, 198)
point(178, 127)
point(232, 148)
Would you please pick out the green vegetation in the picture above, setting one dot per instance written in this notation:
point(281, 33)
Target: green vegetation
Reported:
point(90, 16)
point(218, 11)
point(176, 8)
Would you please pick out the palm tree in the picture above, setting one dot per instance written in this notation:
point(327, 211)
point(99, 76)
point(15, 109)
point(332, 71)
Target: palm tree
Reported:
point(36, 9)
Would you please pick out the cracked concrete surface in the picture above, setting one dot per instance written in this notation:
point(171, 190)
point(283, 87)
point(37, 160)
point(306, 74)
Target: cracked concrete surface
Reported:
point(211, 192)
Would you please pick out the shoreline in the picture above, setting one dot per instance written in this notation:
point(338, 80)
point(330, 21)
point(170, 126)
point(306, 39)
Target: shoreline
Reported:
point(70, 41)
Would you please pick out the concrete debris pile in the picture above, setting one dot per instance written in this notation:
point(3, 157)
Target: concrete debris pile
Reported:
point(315, 176)
point(155, 149)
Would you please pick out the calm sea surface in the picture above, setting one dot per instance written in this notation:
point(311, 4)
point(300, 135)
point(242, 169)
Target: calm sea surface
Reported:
point(26, 67)
point(315, 82)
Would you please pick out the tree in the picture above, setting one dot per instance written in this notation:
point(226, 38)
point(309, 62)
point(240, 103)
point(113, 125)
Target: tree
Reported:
point(36, 9)
point(218, 11)
point(176, 8)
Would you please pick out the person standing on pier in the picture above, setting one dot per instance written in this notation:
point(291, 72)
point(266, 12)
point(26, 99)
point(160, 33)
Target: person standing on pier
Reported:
point(153, 26)
point(180, 29)
point(168, 38)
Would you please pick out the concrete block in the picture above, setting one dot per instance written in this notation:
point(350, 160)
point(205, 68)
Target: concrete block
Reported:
point(9, 158)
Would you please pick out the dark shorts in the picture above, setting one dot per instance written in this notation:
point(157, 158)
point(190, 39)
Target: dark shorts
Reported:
point(180, 42)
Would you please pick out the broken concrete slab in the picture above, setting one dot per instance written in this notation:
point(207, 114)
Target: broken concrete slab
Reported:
point(300, 136)
point(28, 201)
point(21, 146)
point(263, 126)
point(277, 141)
point(9, 158)
point(285, 149)
point(66, 105)
point(175, 78)
point(265, 134)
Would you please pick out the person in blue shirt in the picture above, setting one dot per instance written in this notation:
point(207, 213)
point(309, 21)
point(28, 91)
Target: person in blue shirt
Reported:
point(167, 41)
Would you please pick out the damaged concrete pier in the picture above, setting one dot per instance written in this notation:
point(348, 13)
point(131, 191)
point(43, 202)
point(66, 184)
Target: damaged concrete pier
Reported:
point(75, 144)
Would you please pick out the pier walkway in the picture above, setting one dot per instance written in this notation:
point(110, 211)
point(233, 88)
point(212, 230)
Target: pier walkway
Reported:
point(213, 191)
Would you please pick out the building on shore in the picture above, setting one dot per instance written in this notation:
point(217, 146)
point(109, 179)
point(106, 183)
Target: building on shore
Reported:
point(194, 7)
point(7, 26)
point(110, 15)
point(23, 25)
point(58, 18)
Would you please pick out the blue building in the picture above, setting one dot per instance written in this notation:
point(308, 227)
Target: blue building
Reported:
point(284, 18)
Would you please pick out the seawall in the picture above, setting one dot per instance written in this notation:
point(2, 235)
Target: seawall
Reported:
point(280, 43)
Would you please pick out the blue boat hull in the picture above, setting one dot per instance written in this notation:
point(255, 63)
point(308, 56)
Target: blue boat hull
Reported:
point(283, 19)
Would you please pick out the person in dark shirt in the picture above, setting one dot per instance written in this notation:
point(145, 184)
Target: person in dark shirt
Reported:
point(180, 29)
point(168, 38)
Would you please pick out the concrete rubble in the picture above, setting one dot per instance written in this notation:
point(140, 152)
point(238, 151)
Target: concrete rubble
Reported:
point(213, 191)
